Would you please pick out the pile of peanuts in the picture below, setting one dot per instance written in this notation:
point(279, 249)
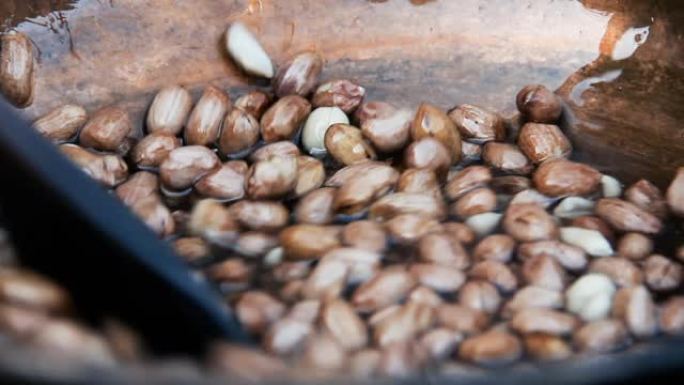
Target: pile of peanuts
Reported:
point(356, 237)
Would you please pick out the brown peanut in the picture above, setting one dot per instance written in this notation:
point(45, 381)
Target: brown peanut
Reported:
point(634, 246)
point(409, 228)
point(479, 295)
point(310, 175)
point(260, 215)
point(283, 148)
point(316, 207)
point(477, 124)
point(225, 183)
point(271, 178)
point(662, 274)
point(345, 144)
point(343, 93)
point(239, 132)
point(478, 201)
point(367, 235)
point(62, 123)
point(428, 153)
point(466, 180)
point(443, 249)
point(561, 177)
point(497, 247)
point(282, 120)
point(494, 348)
point(648, 197)
point(396, 204)
point(529, 222)
point(254, 103)
point(109, 170)
point(299, 75)
point(506, 158)
point(538, 104)
point(205, 119)
point(621, 271)
point(17, 68)
point(635, 307)
point(169, 110)
point(106, 130)
point(186, 165)
point(386, 288)
point(625, 216)
point(309, 241)
point(153, 149)
point(541, 142)
point(602, 336)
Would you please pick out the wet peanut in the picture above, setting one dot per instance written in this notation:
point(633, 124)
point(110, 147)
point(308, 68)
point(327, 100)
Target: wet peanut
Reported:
point(260, 215)
point(431, 122)
point(622, 272)
point(326, 281)
point(299, 75)
point(634, 246)
point(497, 247)
point(441, 343)
point(255, 244)
point(271, 178)
point(470, 152)
point(544, 271)
point(239, 132)
point(343, 94)
point(365, 183)
point(323, 352)
point(62, 123)
point(153, 149)
point(16, 68)
point(590, 297)
point(635, 307)
point(545, 321)
point(191, 248)
point(662, 274)
point(139, 186)
point(388, 287)
point(395, 204)
point(109, 170)
point(648, 197)
point(440, 278)
point(466, 180)
point(428, 153)
point(494, 348)
point(154, 214)
point(672, 316)
point(225, 183)
point(541, 142)
point(409, 228)
point(572, 258)
point(529, 222)
point(477, 124)
point(316, 207)
point(478, 201)
point(169, 110)
point(310, 175)
point(257, 310)
point(246, 364)
point(286, 335)
point(480, 295)
point(460, 232)
point(538, 104)
point(282, 120)
point(425, 295)
point(364, 363)
point(462, 319)
point(590, 222)
point(213, 222)
point(254, 103)
point(367, 235)
point(419, 181)
point(317, 125)
point(283, 148)
point(309, 241)
point(247, 52)
point(603, 336)
point(546, 347)
point(345, 144)
point(106, 130)
point(561, 177)
point(186, 165)
point(340, 320)
point(71, 340)
point(532, 297)
point(404, 324)
point(32, 291)
point(625, 216)
point(484, 224)
point(388, 129)
point(230, 271)
point(495, 273)
point(443, 249)
point(506, 158)
point(510, 184)
point(205, 119)
point(675, 193)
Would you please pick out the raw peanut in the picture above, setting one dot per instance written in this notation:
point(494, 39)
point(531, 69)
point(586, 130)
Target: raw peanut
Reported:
point(186, 165)
point(531, 196)
point(396, 204)
point(369, 182)
point(470, 152)
point(271, 178)
point(257, 310)
point(466, 180)
point(340, 320)
point(431, 122)
point(305, 311)
point(345, 144)
point(225, 183)
point(401, 359)
point(316, 126)
point(437, 277)
point(206, 118)
point(462, 319)
point(343, 94)
point(154, 214)
point(260, 215)
point(247, 52)
point(484, 224)
point(591, 241)
point(422, 181)
point(153, 149)
point(388, 130)
point(72, 341)
point(494, 348)
point(286, 335)
point(544, 271)
point(310, 175)
point(213, 222)
point(283, 148)
point(459, 232)
point(326, 281)
point(299, 75)
point(510, 184)
point(254, 103)
point(255, 244)
point(372, 110)
point(425, 295)
point(570, 257)
point(590, 222)
point(495, 273)
point(662, 274)
point(635, 307)
point(603, 336)
point(16, 68)
point(403, 324)
point(440, 343)
point(309, 241)
point(497, 247)
point(625, 216)
point(192, 249)
point(249, 365)
point(169, 110)
point(282, 120)
point(409, 228)
point(648, 197)
point(478, 201)
point(545, 321)
point(635, 246)
point(367, 235)
point(19, 322)
point(291, 271)
point(386, 288)
point(428, 153)
point(506, 158)
point(323, 352)
point(672, 316)
point(538, 104)
point(230, 271)
point(109, 170)
point(477, 124)
point(560, 177)
point(364, 363)
point(316, 207)
point(363, 264)
point(573, 207)
point(62, 123)
point(239, 132)
point(30, 290)
point(590, 297)
point(541, 142)
point(443, 249)
point(532, 297)
point(622, 272)
point(139, 186)
point(379, 315)
point(675, 193)
point(479, 295)
point(545, 347)
point(106, 130)
point(610, 187)
point(529, 222)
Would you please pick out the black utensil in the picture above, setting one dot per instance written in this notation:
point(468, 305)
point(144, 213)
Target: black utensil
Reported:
point(67, 227)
